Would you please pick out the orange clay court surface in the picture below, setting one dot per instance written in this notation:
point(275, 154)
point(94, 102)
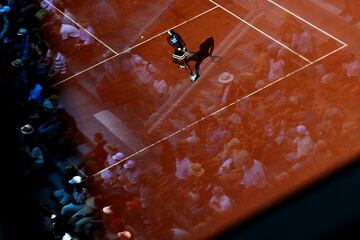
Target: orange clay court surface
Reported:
point(125, 49)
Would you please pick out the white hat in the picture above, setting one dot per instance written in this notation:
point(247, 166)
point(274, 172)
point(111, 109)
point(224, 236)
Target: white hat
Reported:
point(118, 156)
point(27, 129)
point(22, 31)
point(130, 164)
point(74, 180)
point(301, 129)
point(125, 234)
point(138, 60)
point(225, 77)
point(107, 210)
point(17, 63)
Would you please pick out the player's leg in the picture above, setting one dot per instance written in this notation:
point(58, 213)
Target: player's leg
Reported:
point(178, 62)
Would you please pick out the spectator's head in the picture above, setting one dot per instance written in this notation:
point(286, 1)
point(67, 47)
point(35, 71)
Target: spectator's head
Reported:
point(217, 191)
point(234, 119)
point(196, 170)
point(75, 180)
point(54, 100)
point(301, 130)
point(130, 165)
point(234, 142)
point(5, 10)
point(27, 129)
point(22, 32)
point(244, 157)
point(124, 235)
point(107, 210)
point(17, 63)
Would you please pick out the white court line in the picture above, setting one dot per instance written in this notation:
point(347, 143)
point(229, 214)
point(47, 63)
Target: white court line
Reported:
point(77, 24)
point(219, 110)
point(307, 22)
point(260, 31)
point(137, 45)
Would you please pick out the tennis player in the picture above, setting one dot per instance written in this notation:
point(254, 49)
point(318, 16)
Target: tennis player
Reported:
point(181, 55)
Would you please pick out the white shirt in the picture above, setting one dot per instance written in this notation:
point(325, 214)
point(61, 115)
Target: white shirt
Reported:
point(106, 175)
point(69, 31)
point(160, 86)
point(302, 42)
point(352, 69)
point(182, 167)
point(86, 37)
point(276, 69)
point(112, 159)
point(255, 175)
point(304, 146)
point(133, 176)
point(226, 165)
point(223, 202)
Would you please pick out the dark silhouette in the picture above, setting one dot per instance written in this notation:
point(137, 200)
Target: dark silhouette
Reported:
point(205, 50)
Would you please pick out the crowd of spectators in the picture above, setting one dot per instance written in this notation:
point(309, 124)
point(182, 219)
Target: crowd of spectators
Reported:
point(182, 186)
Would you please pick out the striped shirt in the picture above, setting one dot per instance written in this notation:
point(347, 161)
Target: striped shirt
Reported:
point(58, 62)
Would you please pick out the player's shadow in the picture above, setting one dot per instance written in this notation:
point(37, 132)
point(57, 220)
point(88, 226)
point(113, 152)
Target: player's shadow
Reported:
point(205, 50)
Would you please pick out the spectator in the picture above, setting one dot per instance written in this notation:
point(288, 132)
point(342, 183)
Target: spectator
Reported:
point(219, 202)
point(254, 174)
point(276, 65)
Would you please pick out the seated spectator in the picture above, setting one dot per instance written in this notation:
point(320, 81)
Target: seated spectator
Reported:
point(34, 157)
point(231, 170)
point(94, 160)
point(4, 29)
point(182, 163)
point(254, 174)
point(86, 213)
point(302, 42)
point(303, 141)
point(352, 67)
point(276, 65)
point(63, 196)
point(57, 60)
point(219, 202)
point(85, 40)
point(113, 154)
point(22, 47)
point(68, 31)
point(77, 201)
point(41, 64)
point(131, 176)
